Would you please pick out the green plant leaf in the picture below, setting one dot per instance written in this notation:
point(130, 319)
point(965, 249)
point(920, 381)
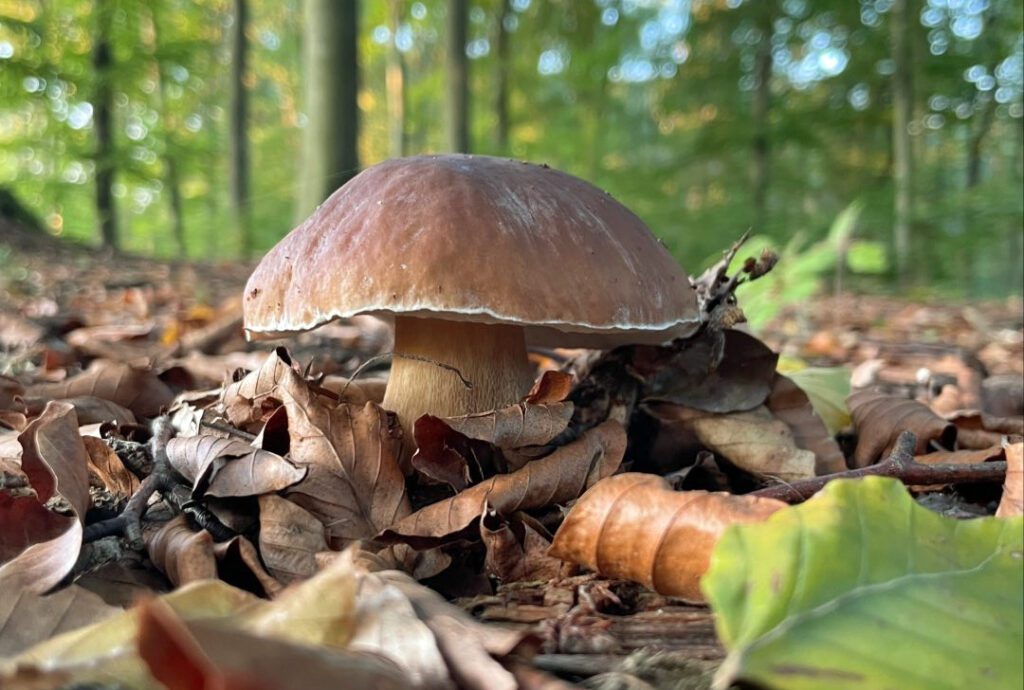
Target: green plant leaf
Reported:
point(827, 388)
point(860, 587)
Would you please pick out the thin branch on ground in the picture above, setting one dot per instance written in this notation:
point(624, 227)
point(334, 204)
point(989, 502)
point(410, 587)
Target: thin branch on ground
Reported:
point(899, 465)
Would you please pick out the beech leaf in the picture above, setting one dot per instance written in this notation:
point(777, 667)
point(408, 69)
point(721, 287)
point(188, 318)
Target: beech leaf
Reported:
point(139, 390)
point(634, 526)
point(790, 404)
point(860, 587)
point(1012, 502)
point(218, 466)
point(880, 419)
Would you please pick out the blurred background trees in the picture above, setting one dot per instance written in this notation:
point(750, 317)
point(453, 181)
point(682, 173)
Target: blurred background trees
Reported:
point(204, 128)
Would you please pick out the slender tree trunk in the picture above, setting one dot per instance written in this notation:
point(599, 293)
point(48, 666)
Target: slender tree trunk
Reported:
point(902, 104)
point(458, 77)
point(760, 112)
point(501, 48)
point(330, 155)
point(977, 137)
point(102, 114)
point(238, 139)
point(170, 166)
point(394, 83)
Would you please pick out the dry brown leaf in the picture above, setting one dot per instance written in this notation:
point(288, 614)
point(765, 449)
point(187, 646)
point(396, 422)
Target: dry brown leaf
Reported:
point(516, 549)
point(469, 648)
point(104, 464)
point(551, 387)
point(182, 555)
point(90, 410)
point(38, 547)
point(977, 430)
point(116, 342)
point(961, 457)
point(137, 389)
point(755, 441)
point(633, 526)
point(684, 373)
point(11, 391)
point(354, 485)
point(196, 654)
point(239, 563)
point(27, 618)
point(14, 420)
point(879, 419)
point(462, 450)
point(791, 405)
point(290, 538)
point(560, 477)
point(248, 401)
point(1012, 502)
point(218, 466)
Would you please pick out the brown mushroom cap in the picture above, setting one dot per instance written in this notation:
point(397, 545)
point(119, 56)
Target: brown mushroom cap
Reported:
point(475, 238)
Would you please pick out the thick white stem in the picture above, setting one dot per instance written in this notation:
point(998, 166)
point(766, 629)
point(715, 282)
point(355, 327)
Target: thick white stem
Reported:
point(491, 357)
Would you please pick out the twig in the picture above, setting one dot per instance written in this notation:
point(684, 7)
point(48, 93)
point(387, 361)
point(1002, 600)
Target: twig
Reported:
point(390, 355)
point(227, 429)
point(899, 465)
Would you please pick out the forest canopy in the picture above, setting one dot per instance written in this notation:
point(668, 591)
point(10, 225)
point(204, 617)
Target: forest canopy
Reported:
point(706, 117)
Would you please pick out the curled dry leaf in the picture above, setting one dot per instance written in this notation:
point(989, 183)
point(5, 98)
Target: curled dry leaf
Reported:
point(38, 547)
point(791, 405)
point(688, 373)
point(977, 430)
point(90, 410)
point(558, 478)
point(755, 441)
point(880, 418)
point(1012, 502)
point(108, 468)
point(450, 449)
point(290, 538)
point(10, 393)
point(181, 554)
point(249, 400)
point(517, 549)
point(138, 390)
point(633, 526)
point(221, 467)
point(27, 618)
point(551, 387)
point(239, 563)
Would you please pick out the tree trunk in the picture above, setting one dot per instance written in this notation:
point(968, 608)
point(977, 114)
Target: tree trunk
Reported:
point(394, 82)
point(502, 77)
point(330, 156)
point(238, 139)
point(760, 112)
point(902, 104)
point(977, 137)
point(103, 102)
point(458, 77)
point(171, 178)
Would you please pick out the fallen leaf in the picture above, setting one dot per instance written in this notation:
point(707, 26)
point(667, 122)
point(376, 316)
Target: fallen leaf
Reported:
point(464, 450)
point(250, 399)
point(558, 478)
point(138, 390)
point(104, 464)
point(38, 546)
point(790, 404)
point(181, 553)
point(684, 373)
point(633, 526)
point(551, 387)
point(755, 441)
point(880, 418)
point(821, 594)
point(978, 430)
point(516, 549)
point(239, 563)
point(90, 410)
point(290, 538)
point(217, 466)
point(827, 388)
point(1012, 502)
point(27, 618)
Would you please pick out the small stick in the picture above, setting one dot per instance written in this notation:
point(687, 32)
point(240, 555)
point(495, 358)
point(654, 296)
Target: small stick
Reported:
point(230, 430)
point(899, 465)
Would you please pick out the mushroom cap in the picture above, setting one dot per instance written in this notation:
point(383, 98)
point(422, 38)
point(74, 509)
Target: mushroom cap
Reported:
point(475, 238)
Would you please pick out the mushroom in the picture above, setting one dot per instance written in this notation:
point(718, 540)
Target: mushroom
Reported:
point(472, 257)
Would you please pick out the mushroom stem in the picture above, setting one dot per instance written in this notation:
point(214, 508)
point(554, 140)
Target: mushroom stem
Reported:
point(492, 357)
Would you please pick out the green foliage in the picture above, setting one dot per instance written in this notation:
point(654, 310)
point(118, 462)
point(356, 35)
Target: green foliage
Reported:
point(860, 587)
point(827, 388)
point(650, 100)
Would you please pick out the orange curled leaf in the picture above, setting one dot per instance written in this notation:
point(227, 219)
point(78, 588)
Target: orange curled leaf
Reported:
point(1012, 502)
point(633, 526)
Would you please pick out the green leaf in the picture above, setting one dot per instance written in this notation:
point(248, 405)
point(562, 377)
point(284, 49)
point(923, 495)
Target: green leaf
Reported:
point(827, 388)
point(860, 587)
point(865, 256)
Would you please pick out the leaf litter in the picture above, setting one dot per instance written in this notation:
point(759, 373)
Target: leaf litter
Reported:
point(288, 522)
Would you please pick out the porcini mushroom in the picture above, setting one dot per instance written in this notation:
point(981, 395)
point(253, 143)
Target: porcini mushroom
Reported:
point(472, 257)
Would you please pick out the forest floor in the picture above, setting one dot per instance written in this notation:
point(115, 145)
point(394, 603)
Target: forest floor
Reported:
point(66, 311)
